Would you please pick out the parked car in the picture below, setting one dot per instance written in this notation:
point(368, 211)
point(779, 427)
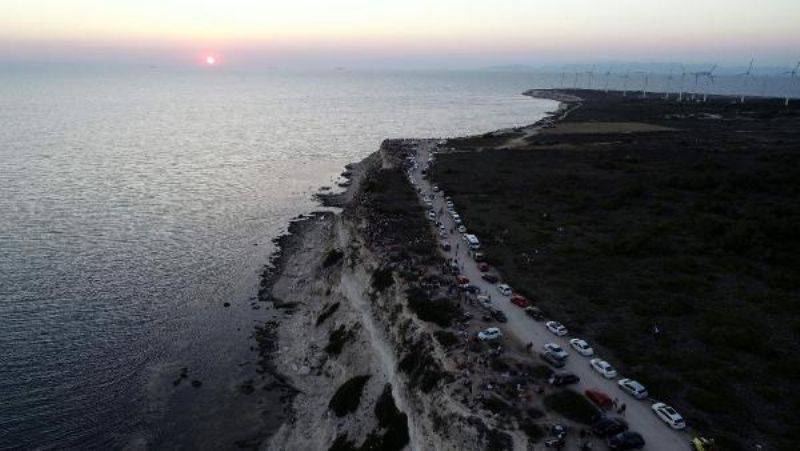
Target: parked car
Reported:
point(431, 216)
point(489, 334)
point(483, 267)
point(669, 415)
point(473, 289)
point(520, 301)
point(633, 388)
point(462, 229)
point(484, 301)
point(463, 281)
point(626, 440)
point(504, 289)
point(581, 346)
point(607, 427)
point(562, 379)
point(557, 351)
point(600, 399)
point(477, 256)
point(445, 245)
point(534, 313)
point(491, 278)
point(556, 328)
point(555, 362)
point(604, 368)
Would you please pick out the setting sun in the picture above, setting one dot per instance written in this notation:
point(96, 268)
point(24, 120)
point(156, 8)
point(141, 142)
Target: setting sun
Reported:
point(210, 60)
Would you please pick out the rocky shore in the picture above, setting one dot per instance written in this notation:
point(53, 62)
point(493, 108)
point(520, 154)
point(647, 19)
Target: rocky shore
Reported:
point(361, 365)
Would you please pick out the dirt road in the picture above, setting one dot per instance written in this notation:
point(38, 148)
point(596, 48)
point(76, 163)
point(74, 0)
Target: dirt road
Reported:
point(657, 434)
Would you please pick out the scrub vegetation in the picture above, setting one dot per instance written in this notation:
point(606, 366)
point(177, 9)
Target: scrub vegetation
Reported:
point(688, 231)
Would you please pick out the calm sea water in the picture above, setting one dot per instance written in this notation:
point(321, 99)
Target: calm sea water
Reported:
point(135, 202)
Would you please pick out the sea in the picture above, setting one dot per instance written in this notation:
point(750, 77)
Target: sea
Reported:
point(137, 201)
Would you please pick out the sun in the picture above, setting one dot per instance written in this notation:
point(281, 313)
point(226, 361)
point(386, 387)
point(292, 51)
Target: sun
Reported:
point(210, 60)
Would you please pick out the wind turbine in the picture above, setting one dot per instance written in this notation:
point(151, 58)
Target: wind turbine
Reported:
point(645, 80)
point(793, 75)
point(625, 79)
point(683, 79)
point(748, 74)
point(591, 76)
point(709, 76)
point(669, 83)
point(608, 74)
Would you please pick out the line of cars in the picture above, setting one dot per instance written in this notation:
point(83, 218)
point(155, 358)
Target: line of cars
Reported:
point(615, 430)
point(556, 356)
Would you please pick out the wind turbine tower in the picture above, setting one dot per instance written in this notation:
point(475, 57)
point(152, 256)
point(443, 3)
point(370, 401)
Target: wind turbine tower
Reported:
point(608, 74)
point(669, 83)
point(793, 75)
point(683, 80)
point(645, 80)
point(625, 79)
point(708, 75)
point(748, 74)
point(591, 76)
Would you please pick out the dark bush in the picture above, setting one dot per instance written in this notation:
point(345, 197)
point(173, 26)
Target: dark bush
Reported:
point(343, 444)
point(348, 396)
point(332, 257)
point(390, 418)
point(337, 339)
point(573, 406)
point(423, 370)
point(446, 338)
point(534, 431)
point(327, 311)
point(441, 312)
point(382, 279)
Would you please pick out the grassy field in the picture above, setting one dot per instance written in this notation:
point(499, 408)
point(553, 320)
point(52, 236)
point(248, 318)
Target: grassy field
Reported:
point(692, 230)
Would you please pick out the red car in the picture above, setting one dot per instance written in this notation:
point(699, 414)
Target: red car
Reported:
point(520, 301)
point(483, 267)
point(462, 281)
point(601, 399)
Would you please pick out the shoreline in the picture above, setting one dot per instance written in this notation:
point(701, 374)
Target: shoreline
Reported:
point(295, 270)
point(333, 270)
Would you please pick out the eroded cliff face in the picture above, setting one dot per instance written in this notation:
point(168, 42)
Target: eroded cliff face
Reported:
point(367, 372)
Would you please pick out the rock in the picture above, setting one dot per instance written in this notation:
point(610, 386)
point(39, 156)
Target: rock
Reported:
point(196, 383)
point(226, 304)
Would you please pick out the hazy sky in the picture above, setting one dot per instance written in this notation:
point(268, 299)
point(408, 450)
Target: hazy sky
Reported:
point(444, 33)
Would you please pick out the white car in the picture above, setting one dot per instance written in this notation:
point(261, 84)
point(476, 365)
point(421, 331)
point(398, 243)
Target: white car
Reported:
point(449, 203)
point(604, 368)
point(491, 333)
point(634, 388)
point(504, 289)
point(556, 350)
point(581, 346)
point(669, 415)
point(556, 328)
